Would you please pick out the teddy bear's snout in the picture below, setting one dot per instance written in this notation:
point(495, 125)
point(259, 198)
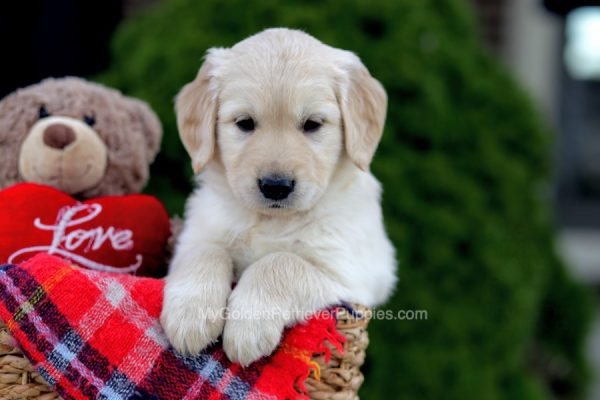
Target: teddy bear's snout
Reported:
point(58, 136)
point(63, 152)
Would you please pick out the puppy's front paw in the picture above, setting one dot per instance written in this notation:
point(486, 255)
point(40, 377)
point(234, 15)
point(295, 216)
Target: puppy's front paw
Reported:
point(192, 323)
point(249, 335)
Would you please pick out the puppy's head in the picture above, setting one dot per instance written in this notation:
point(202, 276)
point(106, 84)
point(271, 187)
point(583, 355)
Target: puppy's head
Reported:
point(278, 111)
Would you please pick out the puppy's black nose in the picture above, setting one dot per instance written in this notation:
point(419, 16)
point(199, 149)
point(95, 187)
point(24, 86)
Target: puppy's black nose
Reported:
point(276, 188)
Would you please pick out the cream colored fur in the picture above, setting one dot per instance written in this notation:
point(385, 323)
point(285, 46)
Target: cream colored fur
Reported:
point(324, 244)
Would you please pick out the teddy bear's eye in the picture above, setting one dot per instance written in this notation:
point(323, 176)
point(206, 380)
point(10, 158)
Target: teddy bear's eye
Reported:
point(89, 119)
point(43, 113)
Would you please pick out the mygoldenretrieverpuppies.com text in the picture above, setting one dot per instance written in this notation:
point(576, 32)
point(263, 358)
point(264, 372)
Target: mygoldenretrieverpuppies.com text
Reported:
point(298, 315)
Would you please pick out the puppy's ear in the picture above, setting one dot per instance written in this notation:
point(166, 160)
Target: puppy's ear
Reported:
point(363, 103)
point(196, 108)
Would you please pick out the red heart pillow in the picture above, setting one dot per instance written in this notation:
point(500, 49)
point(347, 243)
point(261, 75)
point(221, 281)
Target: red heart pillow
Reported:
point(124, 234)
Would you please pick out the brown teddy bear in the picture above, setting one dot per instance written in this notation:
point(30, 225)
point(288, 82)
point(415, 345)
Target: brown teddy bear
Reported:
point(73, 156)
point(79, 137)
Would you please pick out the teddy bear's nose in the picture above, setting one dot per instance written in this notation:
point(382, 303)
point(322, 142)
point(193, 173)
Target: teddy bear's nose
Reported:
point(58, 136)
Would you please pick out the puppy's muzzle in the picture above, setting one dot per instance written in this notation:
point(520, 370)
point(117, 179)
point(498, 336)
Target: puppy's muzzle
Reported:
point(276, 187)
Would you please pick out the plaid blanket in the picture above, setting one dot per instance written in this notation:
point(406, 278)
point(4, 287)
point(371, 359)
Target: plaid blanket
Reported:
point(94, 335)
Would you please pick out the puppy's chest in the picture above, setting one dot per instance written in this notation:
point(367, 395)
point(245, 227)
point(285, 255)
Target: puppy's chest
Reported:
point(254, 243)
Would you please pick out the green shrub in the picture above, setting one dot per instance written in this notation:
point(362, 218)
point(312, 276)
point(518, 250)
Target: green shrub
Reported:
point(463, 163)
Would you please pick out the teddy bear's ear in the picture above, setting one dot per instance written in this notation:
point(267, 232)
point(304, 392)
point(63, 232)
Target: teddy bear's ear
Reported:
point(18, 111)
point(142, 112)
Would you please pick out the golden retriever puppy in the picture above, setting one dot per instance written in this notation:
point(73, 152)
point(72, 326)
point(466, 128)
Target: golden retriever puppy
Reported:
point(281, 129)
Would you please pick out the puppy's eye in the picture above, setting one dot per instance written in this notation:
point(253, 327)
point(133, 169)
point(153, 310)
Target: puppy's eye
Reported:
point(246, 124)
point(311, 126)
point(89, 119)
point(43, 113)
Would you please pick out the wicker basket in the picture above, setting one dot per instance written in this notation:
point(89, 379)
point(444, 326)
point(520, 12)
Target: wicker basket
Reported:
point(340, 378)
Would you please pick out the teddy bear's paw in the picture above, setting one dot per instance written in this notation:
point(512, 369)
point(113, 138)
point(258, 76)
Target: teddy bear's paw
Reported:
point(192, 325)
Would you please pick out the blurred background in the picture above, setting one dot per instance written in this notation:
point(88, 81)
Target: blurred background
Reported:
point(490, 163)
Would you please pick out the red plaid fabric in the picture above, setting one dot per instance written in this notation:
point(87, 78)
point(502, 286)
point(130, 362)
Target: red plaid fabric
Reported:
point(93, 335)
